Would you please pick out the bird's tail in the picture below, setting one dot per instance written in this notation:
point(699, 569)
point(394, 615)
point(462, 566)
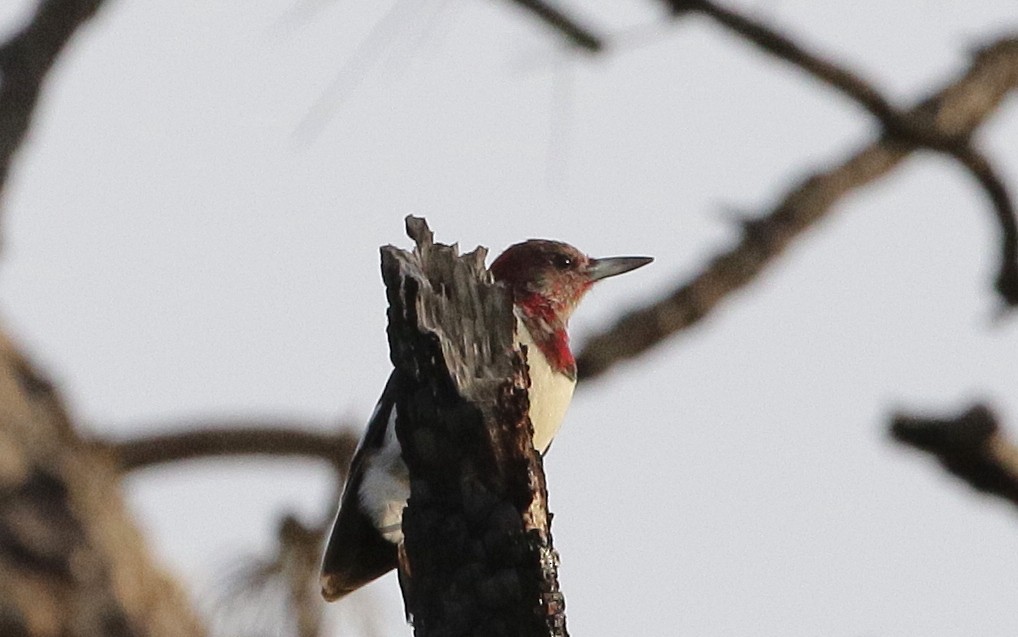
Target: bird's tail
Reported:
point(356, 553)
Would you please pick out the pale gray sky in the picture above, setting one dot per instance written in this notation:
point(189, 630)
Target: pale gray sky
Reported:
point(177, 245)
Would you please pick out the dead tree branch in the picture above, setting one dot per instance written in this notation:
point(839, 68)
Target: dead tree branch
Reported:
point(954, 112)
point(970, 446)
point(983, 171)
point(906, 127)
point(25, 59)
point(231, 438)
point(478, 550)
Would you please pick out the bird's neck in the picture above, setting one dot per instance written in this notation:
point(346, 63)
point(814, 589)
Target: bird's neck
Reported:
point(547, 328)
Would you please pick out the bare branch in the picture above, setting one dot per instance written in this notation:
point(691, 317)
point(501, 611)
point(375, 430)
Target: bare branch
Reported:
point(981, 168)
point(231, 438)
point(954, 112)
point(567, 26)
point(25, 59)
point(905, 127)
point(971, 446)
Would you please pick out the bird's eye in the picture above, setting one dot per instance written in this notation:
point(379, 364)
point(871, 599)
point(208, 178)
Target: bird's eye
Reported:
point(562, 261)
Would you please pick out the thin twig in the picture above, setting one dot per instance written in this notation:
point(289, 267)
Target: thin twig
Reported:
point(216, 439)
point(970, 446)
point(980, 167)
point(569, 27)
point(953, 112)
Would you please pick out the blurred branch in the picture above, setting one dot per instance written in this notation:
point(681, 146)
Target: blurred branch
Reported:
point(915, 129)
point(952, 113)
point(300, 557)
point(568, 27)
point(232, 438)
point(983, 171)
point(72, 562)
point(25, 59)
point(969, 446)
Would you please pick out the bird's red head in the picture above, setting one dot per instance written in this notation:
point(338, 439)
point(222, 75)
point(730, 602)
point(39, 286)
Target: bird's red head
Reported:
point(547, 280)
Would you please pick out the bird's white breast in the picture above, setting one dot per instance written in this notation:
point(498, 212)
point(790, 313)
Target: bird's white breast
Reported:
point(550, 391)
point(386, 484)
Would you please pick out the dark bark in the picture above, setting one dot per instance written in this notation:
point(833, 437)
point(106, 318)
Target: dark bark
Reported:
point(478, 540)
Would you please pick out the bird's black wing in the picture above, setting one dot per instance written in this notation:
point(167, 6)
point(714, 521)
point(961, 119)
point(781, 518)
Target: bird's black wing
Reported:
point(356, 552)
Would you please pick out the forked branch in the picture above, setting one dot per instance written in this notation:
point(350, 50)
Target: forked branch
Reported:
point(954, 112)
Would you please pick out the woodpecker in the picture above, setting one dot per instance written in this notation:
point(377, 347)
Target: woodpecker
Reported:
point(547, 280)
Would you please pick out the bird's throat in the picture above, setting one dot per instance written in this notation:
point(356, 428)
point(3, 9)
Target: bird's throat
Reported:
point(555, 348)
point(548, 331)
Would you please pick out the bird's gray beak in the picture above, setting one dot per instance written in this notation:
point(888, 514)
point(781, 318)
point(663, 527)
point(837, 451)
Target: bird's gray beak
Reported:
point(611, 266)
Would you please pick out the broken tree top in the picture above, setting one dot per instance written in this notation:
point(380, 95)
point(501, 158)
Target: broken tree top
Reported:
point(477, 555)
point(469, 314)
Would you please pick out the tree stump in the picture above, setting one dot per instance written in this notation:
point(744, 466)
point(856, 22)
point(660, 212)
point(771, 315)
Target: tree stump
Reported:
point(478, 548)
